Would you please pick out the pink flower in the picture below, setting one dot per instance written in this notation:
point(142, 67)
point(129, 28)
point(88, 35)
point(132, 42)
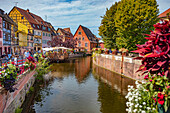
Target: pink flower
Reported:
point(150, 80)
point(167, 87)
point(146, 77)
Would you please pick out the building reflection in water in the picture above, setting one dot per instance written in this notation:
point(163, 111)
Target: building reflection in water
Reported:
point(116, 81)
point(82, 69)
point(107, 97)
point(78, 67)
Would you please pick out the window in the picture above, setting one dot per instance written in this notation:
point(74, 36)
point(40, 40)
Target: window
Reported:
point(43, 34)
point(83, 38)
point(38, 26)
point(79, 44)
point(44, 28)
point(49, 35)
point(31, 37)
point(22, 17)
point(46, 34)
point(59, 33)
point(44, 41)
point(79, 38)
point(79, 33)
point(33, 25)
point(27, 37)
point(34, 32)
point(86, 44)
point(31, 44)
point(39, 33)
point(48, 29)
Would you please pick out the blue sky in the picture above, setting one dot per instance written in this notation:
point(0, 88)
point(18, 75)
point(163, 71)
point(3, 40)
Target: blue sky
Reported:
point(70, 13)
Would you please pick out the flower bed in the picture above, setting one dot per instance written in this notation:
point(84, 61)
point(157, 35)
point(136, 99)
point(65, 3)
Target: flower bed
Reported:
point(11, 73)
point(153, 95)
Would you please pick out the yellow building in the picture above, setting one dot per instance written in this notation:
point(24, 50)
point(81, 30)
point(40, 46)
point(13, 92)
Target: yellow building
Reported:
point(22, 33)
point(35, 25)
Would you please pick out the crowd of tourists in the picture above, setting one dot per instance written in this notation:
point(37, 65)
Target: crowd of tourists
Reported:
point(18, 55)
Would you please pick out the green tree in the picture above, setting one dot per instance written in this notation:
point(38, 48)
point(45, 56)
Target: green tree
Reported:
point(107, 30)
point(126, 22)
point(134, 18)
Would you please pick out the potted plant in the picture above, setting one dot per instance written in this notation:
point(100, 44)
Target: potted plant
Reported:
point(123, 51)
point(8, 77)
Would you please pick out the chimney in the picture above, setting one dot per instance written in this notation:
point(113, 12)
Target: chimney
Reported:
point(27, 10)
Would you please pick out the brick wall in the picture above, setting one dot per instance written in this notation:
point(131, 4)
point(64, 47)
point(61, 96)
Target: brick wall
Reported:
point(10, 101)
point(127, 67)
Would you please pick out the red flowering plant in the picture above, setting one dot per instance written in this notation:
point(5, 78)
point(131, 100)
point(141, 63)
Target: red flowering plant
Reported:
point(155, 56)
point(158, 88)
point(29, 64)
point(156, 51)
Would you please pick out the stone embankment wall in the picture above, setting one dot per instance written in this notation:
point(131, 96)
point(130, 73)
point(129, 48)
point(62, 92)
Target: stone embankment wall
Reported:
point(10, 101)
point(125, 66)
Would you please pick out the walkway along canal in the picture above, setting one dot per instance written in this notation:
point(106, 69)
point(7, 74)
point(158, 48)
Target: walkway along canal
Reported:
point(78, 87)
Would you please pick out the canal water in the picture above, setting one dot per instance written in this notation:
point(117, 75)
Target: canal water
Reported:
point(78, 86)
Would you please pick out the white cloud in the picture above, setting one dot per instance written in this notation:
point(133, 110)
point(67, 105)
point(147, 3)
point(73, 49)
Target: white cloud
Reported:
point(72, 13)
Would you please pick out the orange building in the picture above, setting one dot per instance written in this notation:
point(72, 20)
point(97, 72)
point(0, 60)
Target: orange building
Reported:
point(85, 39)
point(165, 14)
point(64, 33)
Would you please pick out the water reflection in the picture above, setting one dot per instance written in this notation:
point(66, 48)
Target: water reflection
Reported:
point(75, 88)
point(115, 80)
point(82, 69)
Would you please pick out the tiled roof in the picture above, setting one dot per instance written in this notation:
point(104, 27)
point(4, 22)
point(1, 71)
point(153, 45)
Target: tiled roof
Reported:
point(164, 14)
point(66, 33)
point(8, 19)
point(89, 34)
point(26, 15)
point(35, 20)
point(67, 29)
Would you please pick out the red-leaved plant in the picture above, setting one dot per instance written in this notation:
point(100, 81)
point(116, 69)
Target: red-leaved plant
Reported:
point(155, 53)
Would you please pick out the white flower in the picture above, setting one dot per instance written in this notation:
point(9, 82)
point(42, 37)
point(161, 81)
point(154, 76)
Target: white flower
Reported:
point(137, 82)
point(140, 106)
point(143, 112)
point(139, 98)
point(143, 82)
point(127, 109)
point(134, 110)
point(148, 108)
point(136, 105)
point(136, 100)
point(144, 103)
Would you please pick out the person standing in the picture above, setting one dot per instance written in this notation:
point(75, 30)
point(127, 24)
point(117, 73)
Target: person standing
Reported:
point(26, 54)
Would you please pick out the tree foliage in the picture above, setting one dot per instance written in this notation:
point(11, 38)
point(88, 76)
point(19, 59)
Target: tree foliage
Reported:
point(126, 22)
point(57, 41)
point(107, 30)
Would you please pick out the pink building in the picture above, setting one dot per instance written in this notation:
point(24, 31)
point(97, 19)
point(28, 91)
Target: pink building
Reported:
point(1, 35)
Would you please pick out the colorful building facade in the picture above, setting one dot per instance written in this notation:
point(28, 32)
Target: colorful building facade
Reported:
point(65, 33)
point(85, 39)
point(7, 32)
point(36, 27)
